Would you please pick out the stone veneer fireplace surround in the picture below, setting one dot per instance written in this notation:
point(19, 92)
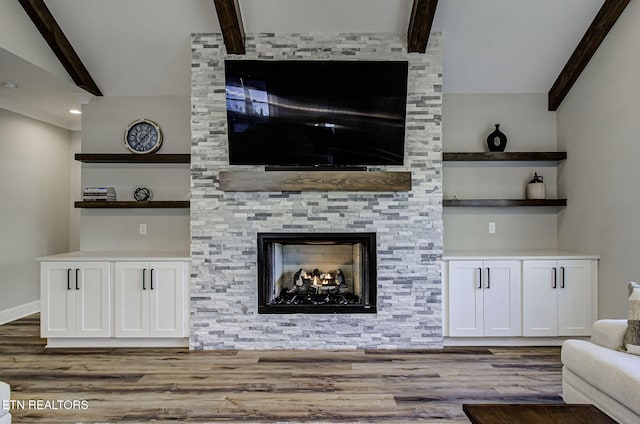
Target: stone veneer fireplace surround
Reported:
point(224, 225)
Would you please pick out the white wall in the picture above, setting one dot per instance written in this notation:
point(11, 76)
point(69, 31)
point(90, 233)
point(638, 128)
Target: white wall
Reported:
point(75, 173)
point(599, 125)
point(103, 123)
point(34, 205)
point(467, 120)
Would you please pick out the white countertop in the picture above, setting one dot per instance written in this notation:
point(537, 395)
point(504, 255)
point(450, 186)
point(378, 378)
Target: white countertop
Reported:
point(116, 255)
point(185, 256)
point(514, 254)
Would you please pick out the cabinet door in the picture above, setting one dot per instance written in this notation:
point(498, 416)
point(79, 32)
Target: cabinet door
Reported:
point(574, 298)
point(540, 298)
point(93, 299)
point(166, 299)
point(57, 304)
point(132, 286)
point(501, 301)
point(465, 298)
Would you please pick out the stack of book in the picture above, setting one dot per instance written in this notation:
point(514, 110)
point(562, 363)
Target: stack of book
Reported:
point(99, 193)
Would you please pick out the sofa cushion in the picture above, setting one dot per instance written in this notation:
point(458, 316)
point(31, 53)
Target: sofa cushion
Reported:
point(5, 394)
point(632, 335)
point(609, 333)
point(615, 373)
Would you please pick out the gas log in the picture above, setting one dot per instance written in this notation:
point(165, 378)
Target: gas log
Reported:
point(317, 288)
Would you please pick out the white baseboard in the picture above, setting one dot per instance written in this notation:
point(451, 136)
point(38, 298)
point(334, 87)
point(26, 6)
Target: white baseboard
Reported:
point(507, 341)
point(58, 342)
point(19, 311)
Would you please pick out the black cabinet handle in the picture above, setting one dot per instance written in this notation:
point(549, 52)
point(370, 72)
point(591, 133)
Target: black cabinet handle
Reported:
point(151, 278)
point(480, 279)
point(488, 277)
point(562, 277)
point(144, 272)
point(77, 271)
point(555, 278)
point(68, 278)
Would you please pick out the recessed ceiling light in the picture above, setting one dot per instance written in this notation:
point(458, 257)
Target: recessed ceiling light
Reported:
point(75, 111)
point(10, 85)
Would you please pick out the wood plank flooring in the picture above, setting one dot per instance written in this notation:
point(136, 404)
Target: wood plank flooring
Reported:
point(176, 385)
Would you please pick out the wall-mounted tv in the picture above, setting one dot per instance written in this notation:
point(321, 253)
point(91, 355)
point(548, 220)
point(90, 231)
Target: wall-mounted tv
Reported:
point(316, 113)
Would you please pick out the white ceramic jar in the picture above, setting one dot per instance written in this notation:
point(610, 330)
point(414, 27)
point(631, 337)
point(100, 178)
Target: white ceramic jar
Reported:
point(535, 188)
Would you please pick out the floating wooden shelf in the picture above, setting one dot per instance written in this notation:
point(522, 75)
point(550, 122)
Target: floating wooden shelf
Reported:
point(503, 202)
point(132, 158)
point(153, 204)
point(502, 156)
point(314, 181)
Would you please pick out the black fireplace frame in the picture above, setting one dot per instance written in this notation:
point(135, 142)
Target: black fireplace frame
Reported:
point(370, 267)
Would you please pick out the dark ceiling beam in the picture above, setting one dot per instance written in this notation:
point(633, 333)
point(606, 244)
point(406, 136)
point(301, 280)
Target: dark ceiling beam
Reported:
point(596, 33)
point(59, 44)
point(422, 14)
point(231, 24)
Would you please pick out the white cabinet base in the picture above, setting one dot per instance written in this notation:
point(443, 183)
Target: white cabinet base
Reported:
point(484, 298)
point(80, 295)
point(507, 341)
point(76, 299)
point(568, 279)
point(151, 299)
point(558, 297)
point(60, 342)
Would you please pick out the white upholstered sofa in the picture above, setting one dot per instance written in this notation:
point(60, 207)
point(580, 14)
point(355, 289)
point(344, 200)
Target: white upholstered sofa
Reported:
point(5, 396)
point(598, 372)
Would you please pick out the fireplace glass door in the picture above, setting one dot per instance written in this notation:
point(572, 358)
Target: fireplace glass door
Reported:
point(316, 273)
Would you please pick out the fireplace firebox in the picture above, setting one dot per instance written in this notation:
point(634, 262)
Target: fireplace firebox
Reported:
point(316, 273)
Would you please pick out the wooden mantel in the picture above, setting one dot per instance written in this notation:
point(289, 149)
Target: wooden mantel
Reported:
point(314, 181)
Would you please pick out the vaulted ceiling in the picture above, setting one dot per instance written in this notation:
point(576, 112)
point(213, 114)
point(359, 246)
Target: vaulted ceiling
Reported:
point(142, 47)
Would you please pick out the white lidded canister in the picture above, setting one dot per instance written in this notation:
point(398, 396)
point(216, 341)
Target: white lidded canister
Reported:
point(535, 188)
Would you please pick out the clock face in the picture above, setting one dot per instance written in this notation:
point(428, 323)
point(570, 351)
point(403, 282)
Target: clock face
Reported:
point(143, 136)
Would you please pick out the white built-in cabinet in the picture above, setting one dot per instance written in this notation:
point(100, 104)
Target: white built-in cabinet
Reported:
point(484, 298)
point(104, 299)
point(76, 299)
point(149, 299)
point(526, 295)
point(557, 298)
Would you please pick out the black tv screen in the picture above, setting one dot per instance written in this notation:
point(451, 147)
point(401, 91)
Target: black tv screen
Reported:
point(316, 113)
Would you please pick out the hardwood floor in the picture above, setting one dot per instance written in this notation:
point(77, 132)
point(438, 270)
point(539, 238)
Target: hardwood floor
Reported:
point(142, 385)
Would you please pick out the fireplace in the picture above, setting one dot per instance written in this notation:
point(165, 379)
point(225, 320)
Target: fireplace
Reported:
point(316, 273)
point(408, 225)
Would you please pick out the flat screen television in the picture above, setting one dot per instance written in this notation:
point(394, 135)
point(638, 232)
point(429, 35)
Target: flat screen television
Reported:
point(316, 113)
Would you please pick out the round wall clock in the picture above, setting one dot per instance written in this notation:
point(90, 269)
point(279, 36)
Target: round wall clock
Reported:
point(143, 136)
